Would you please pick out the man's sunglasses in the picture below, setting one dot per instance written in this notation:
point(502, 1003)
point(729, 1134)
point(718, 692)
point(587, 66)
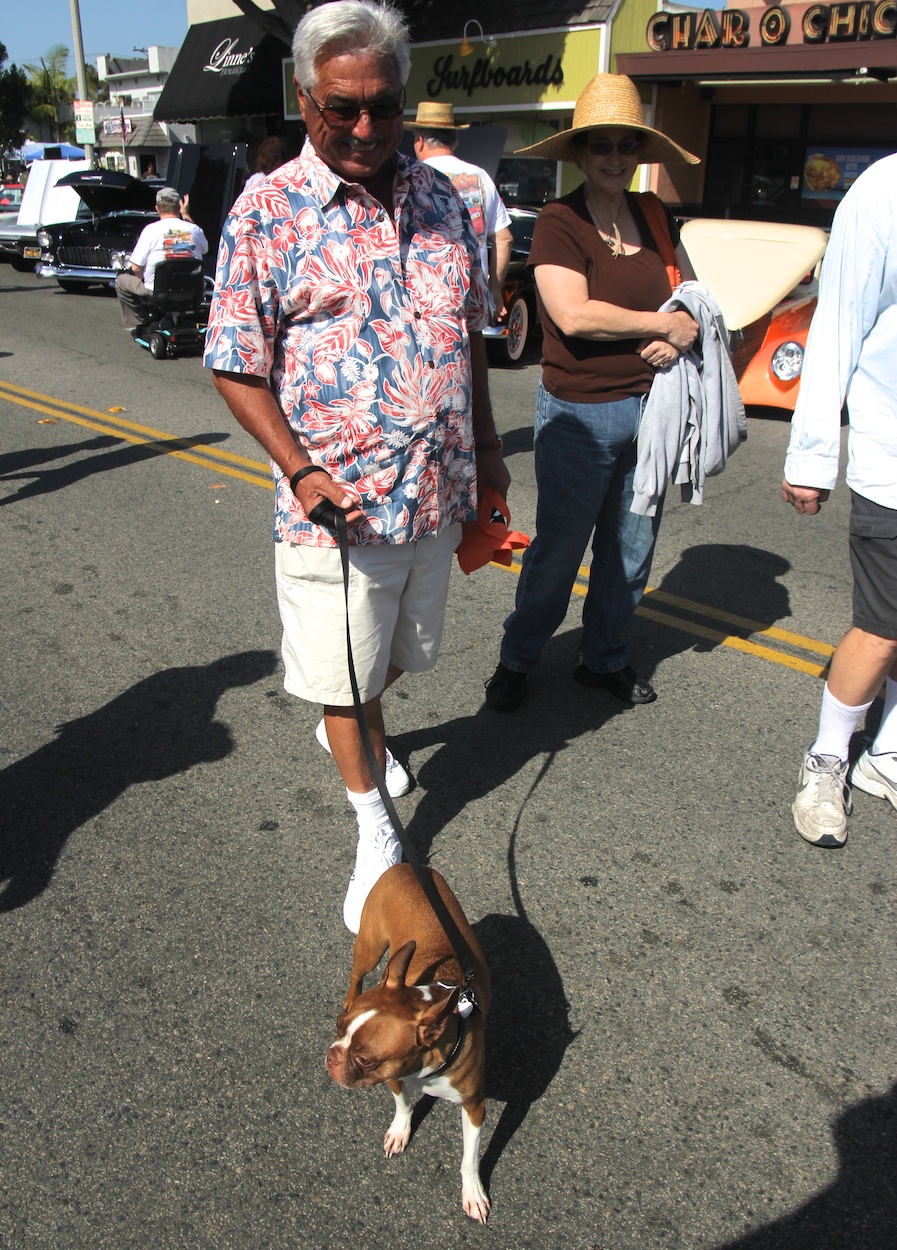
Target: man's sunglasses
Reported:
point(604, 147)
point(385, 110)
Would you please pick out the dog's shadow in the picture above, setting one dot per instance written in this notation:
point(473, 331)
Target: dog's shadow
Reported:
point(528, 1027)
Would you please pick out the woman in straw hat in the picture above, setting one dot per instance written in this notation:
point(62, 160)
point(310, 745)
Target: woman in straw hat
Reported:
point(600, 279)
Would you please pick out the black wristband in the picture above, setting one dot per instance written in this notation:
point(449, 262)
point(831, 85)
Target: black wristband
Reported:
point(304, 472)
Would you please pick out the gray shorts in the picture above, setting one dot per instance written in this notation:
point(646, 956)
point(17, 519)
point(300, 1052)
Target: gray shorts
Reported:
point(873, 558)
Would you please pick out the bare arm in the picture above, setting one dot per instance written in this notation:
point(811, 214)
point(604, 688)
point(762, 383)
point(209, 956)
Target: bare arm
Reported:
point(491, 468)
point(565, 294)
point(255, 408)
point(499, 259)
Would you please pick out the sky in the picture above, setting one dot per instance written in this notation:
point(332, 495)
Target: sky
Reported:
point(29, 28)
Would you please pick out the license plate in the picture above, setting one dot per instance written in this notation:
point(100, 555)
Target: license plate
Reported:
point(31, 253)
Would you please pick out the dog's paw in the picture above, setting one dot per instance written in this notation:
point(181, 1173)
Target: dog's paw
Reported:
point(397, 1137)
point(474, 1200)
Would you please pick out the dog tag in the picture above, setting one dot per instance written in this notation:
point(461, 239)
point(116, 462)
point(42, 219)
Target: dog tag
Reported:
point(466, 1004)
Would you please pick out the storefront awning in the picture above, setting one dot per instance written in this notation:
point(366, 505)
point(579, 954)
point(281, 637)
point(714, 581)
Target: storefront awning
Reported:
point(228, 68)
point(877, 58)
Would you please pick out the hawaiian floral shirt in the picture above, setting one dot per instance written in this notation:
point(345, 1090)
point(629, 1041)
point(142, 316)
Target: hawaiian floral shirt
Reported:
point(362, 325)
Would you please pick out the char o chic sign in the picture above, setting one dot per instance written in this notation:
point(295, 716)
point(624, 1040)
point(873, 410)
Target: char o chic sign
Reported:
point(731, 28)
point(228, 59)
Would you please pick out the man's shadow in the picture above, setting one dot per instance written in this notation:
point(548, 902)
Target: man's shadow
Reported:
point(858, 1211)
point(49, 480)
point(160, 727)
point(16, 461)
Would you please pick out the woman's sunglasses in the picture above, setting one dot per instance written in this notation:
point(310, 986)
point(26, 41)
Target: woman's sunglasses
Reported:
point(385, 110)
point(604, 147)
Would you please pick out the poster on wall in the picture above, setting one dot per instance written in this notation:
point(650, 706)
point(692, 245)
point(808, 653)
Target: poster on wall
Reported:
point(829, 173)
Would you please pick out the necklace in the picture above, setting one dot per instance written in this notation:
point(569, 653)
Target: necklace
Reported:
point(610, 236)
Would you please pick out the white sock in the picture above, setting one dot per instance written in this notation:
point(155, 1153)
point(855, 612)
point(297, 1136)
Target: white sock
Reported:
point(886, 739)
point(369, 809)
point(837, 723)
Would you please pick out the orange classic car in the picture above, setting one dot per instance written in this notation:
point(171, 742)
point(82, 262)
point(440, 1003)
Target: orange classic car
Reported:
point(763, 275)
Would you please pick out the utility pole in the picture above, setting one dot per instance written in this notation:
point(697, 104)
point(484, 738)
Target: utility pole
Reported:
point(80, 72)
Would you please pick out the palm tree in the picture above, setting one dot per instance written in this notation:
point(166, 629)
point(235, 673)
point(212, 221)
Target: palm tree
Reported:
point(52, 92)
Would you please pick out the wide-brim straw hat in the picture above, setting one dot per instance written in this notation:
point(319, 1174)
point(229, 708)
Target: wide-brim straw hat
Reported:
point(434, 115)
point(612, 100)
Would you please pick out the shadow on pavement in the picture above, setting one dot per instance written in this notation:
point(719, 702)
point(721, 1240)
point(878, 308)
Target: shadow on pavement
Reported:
point(44, 483)
point(528, 1027)
point(744, 581)
point(160, 727)
point(858, 1211)
point(13, 462)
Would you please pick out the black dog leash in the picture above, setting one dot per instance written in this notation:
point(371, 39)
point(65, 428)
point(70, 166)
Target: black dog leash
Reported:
point(333, 519)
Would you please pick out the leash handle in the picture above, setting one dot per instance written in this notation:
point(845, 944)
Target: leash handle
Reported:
point(434, 898)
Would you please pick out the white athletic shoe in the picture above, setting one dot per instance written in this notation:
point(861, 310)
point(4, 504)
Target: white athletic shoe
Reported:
point(877, 774)
point(378, 849)
point(823, 800)
point(397, 780)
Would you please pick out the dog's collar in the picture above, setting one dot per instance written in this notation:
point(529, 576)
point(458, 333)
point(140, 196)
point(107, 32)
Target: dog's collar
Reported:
point(453, 1053)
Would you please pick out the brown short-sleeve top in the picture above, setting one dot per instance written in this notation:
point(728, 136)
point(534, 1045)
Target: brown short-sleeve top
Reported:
point(583, 370)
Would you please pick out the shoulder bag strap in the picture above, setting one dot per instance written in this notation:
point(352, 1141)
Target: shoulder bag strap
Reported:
point(656, 217)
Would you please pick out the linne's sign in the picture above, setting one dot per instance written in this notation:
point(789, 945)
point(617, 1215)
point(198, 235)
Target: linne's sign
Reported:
point(731, 28)
point(447, 76)
point(226, 59)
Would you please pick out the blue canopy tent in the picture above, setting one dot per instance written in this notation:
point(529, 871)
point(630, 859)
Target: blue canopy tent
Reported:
point(32, 151)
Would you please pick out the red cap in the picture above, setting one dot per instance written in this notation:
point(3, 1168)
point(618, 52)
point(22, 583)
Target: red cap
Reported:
point(488, 539)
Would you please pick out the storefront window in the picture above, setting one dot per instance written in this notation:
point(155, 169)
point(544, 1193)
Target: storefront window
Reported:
point(757, 155)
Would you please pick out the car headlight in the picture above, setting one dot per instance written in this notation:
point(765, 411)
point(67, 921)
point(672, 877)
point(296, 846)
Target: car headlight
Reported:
point(120, 261)
point(43, 238)
point(787, 361)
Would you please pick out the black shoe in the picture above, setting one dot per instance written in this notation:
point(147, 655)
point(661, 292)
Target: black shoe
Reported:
point(505, 689)
point(625, 683)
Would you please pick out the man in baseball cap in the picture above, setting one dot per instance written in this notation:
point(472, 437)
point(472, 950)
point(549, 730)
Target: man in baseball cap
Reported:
point(174, 235)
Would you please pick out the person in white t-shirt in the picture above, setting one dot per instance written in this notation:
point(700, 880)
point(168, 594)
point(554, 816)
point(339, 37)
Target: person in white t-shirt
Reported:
point(435, 143)
point(174, 235)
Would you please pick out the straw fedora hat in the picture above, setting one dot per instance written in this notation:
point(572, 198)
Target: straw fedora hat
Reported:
point(612, 100)
point(433, 115)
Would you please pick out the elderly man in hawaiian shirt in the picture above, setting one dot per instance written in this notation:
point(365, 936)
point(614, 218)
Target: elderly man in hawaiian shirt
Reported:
point(345, 336)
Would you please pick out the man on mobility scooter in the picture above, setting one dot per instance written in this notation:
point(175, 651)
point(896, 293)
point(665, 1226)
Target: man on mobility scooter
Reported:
point(164, 282)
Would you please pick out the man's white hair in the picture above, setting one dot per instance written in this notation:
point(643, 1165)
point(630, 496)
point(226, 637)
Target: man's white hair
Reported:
point(354, 26)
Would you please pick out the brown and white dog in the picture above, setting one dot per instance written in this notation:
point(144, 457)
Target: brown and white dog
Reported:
point(407, 1030)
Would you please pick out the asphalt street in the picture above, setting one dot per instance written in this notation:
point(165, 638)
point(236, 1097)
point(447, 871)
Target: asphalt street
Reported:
point(692, 1044)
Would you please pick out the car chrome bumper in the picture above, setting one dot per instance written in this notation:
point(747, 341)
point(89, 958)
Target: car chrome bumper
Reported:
point(74, 273)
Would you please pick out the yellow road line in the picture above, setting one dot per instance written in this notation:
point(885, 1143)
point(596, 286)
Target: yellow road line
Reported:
point(716, 636)
point(225, 462)
point(118, 427)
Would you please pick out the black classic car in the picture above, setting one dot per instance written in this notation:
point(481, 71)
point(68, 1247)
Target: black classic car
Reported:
point(83, 253)
point(78, 254)
point(512, 336)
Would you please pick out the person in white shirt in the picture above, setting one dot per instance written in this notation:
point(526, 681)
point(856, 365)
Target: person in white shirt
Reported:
point(435, 143)
point(850, 359)
point(174, 235)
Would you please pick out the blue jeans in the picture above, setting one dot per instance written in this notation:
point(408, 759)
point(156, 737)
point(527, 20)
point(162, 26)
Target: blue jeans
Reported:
point(585, 462)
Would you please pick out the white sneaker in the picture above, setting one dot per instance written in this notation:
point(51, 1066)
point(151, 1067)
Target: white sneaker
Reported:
point(378, 849)
point(877, 774)
point(823, 800)
point(397, 780)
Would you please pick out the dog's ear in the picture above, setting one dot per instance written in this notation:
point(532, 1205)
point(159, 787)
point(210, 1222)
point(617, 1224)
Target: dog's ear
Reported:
point(431, 1025)
point(394, 973)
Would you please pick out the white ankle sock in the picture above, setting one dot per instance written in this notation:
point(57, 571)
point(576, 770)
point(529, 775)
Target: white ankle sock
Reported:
point(886, 739)
point(369, 809)
point(837, 723)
